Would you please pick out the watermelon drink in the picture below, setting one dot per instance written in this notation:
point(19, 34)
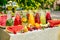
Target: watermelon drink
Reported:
point(3, 20)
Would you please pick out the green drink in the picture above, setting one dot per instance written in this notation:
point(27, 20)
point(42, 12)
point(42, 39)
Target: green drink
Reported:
point(9, 21)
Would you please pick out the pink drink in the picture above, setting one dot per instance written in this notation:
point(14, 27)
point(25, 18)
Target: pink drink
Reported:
point(0, 20)
point(3, 20)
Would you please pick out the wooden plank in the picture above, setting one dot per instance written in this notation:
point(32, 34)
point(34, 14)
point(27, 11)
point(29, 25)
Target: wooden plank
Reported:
point(4, 35)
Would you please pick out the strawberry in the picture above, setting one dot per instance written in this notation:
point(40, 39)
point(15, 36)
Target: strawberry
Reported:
point(17, 20)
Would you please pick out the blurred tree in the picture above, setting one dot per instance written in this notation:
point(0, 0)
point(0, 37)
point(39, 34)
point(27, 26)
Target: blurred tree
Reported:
point(35, 4)
point(3, 2)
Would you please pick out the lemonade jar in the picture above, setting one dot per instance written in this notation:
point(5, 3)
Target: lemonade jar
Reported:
point(42, 17)
point(24, 17)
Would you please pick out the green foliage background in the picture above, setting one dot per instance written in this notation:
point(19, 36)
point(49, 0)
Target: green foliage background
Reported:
point(3, 2)
point(31, 4)
point(35, 4)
